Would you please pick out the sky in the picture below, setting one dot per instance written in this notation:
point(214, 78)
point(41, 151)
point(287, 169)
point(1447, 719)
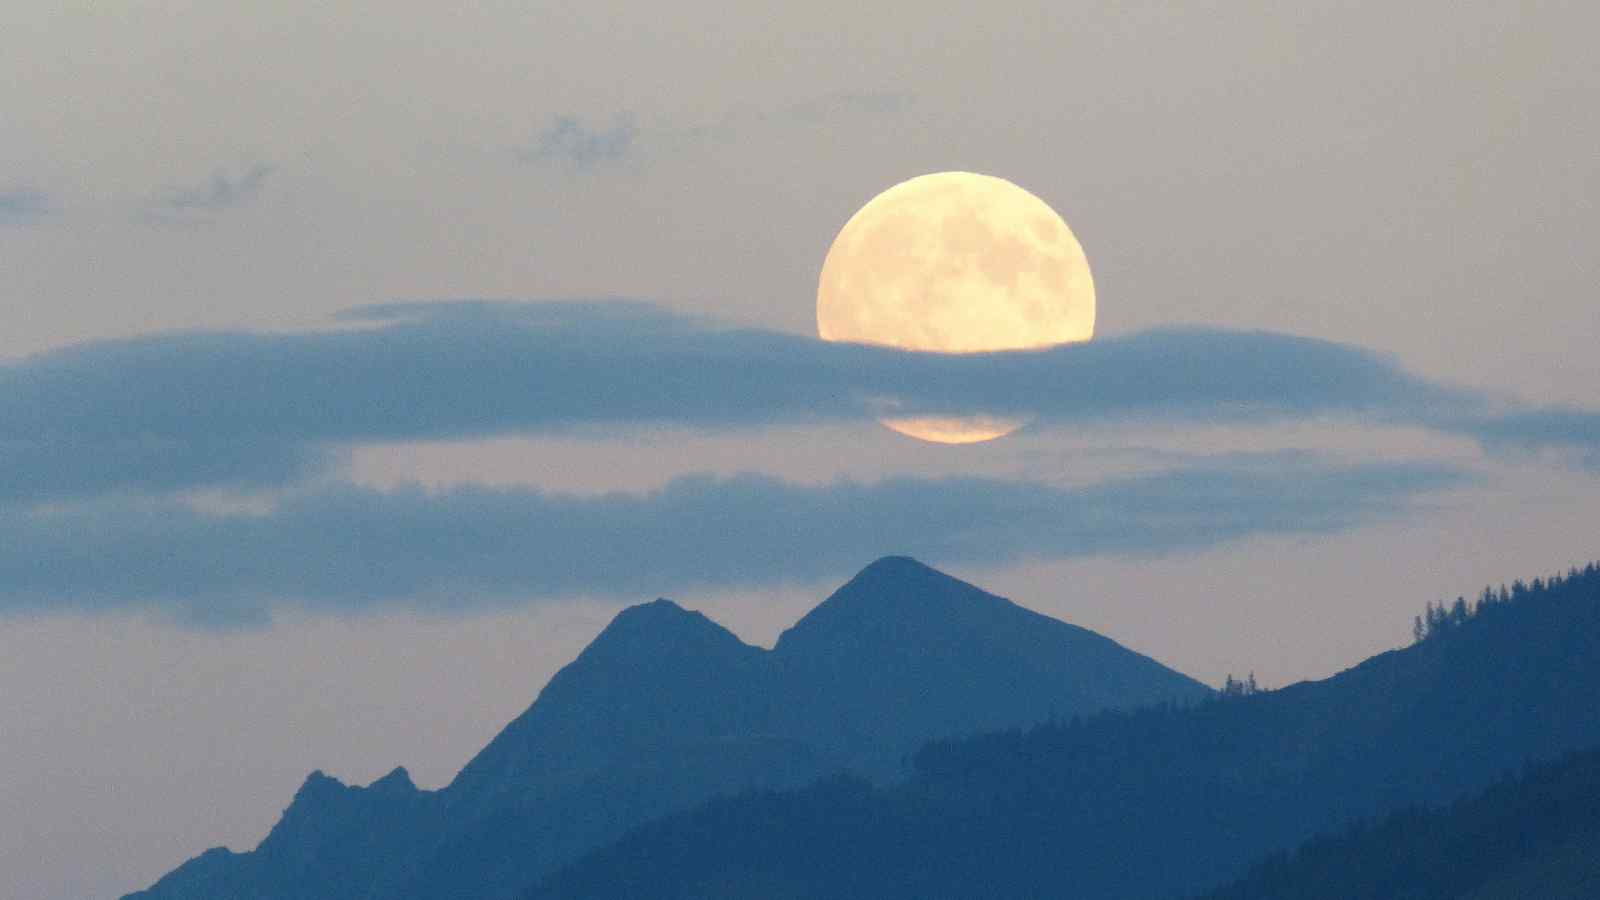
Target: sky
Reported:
point(358, 361)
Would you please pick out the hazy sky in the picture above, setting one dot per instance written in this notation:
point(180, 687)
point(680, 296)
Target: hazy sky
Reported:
point(272, 498)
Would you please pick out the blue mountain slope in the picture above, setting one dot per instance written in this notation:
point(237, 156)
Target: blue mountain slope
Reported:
point(1159, 802)
point(666, 709)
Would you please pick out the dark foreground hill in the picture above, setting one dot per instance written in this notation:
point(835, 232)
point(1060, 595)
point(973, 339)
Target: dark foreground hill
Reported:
point(1158, 802)
point(666, 709)
point(1535, 837)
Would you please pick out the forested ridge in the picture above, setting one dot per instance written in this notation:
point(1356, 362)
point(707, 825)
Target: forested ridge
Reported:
point(1535, 836)
point(1165, 801)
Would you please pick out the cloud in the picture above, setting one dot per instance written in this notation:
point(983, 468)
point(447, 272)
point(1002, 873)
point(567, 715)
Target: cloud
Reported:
point(567, 140)
point(202, 202)
point(56, 468)
point(449, 370)
point(1571, 431)
point(246, 408)
point(23, 206)
point(348, 549)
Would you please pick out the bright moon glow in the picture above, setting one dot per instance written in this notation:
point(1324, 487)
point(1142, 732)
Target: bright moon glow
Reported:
point(956, 262)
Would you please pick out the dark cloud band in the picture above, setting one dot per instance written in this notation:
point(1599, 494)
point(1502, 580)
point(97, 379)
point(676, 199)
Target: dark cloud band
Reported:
point(243, 409)
point(352, 549)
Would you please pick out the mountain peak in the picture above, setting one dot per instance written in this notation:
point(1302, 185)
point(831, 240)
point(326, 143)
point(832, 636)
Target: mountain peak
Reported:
point(907, 651)
point(397, 782)
point(656, 674)
point(318, 786)
point(649, 629)
point(894, 595)
point(900, 574)
point(885, 567)
point(652, 614)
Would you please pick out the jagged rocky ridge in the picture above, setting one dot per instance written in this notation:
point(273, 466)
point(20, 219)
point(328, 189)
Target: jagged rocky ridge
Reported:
point(666, 709)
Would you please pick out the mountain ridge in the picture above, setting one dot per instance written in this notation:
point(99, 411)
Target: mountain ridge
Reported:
point(1156, 802)
point(666, 708)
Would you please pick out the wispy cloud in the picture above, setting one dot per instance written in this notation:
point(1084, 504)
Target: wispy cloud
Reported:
point(23, 206)
point(202, 202)
point(567, 141)
point(570, 142)
point(252, 407)
point(348, 549)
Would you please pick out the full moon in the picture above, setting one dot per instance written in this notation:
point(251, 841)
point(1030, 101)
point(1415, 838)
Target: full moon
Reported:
point(956, 262)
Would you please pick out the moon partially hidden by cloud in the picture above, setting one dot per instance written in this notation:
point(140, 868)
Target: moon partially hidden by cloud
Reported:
point(956, 262)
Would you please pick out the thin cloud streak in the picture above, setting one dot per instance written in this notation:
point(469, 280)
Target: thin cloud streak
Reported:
point(350, 550)
point(567, 140)
point(193, 204)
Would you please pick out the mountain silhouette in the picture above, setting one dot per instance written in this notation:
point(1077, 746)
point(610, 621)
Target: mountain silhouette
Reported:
point(666, 709)
point(658, 675)
point(903, 653)
point(1157, 802)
